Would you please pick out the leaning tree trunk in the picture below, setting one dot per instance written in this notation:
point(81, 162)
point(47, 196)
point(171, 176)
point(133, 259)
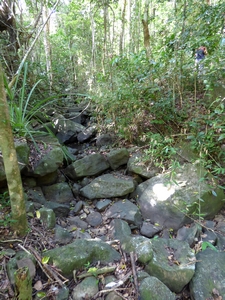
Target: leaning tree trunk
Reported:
point(13, 177)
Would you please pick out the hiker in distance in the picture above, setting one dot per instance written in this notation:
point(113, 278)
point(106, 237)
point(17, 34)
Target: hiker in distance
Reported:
point(200, 55)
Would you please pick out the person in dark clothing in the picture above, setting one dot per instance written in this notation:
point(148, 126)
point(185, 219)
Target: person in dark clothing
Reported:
point(200, 54)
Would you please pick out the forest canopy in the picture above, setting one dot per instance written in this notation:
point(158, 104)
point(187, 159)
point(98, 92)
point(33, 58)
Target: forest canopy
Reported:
point(134, 59)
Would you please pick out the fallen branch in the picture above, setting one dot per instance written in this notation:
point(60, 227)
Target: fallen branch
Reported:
point(132, 259)
point(50, 272)
point(109, 291)
point(97, 272)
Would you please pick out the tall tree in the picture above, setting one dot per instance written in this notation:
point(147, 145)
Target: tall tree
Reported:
point(12, 171)
point(8, 26)
point(47, 45)
point(145, 21)
point(123, 20)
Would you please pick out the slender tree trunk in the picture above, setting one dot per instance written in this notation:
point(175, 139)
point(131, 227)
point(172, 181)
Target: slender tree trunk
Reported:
point(8, 23)
point(12, 171)
point(129, 24)
point(145, 28)
point(47, 46)
point(93, 47)
point(122, 27)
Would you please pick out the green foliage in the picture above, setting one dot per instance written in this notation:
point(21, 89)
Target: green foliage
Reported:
point(138, 102)
point(160, 149)
point(206, 245)
point(23, 109)
point(207, 135)
point(5, 215)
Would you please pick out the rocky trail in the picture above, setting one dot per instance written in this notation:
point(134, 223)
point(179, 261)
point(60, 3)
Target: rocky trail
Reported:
point(107, 224)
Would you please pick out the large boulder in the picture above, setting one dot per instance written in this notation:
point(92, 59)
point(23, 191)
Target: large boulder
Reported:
point(90, 165)
point(75, 255)
point(209, 278)
point(136, 164)
point(152, 288)
point(46, 156)
point(67, 130)
point(117, 157)
point(125, 210)
point(168, 199)
point(173, 263)
point(59, 192)
point(108, 186)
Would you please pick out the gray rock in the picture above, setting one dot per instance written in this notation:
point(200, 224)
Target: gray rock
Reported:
point(78, 207)
point(73, 116)
point(142, 275)
point(63, 294)
point(105, 140)
point(27, 262)
point(94, 219)
point(75, 255)
point(149, 230)
point(30, 208)
point(108, 186)
point(29, 182)
point(117, 158)
point(67, 130)
point(163, 201)
point(152, 288)
point(140, 245)
point(209, 234)
point(220, 242)
point(90, 165)
point(60, 210)
point(86, 134)
point(85, 181)
point(48, 179)
point(119, 230)
point(22, 151)
point(209, 275)
point(76, 189)
point(125, 210)
point(36, 195)
point(136, 165)
point(47, 217)
point(62, 236)
point(48, 162)
point(173, 263)
point(77, 222)
point(80, 234)
point(12, 265)
point(102, 204)
point(189, 234)
point(59, 193)
point(86, 289)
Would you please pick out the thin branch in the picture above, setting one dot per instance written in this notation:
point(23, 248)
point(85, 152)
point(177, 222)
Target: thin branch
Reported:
point(33, 43)
point(132, 259)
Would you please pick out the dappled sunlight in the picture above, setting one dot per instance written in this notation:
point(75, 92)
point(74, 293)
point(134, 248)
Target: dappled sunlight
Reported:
point(162, 192)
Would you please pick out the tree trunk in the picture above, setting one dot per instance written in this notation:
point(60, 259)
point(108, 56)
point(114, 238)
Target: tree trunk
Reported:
point(12, 171)
point(145, 28)
point(47, 46)
point(122, 28)
point(8, 23)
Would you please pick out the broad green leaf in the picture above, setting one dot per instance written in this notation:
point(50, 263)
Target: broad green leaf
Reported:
point(45, 259)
